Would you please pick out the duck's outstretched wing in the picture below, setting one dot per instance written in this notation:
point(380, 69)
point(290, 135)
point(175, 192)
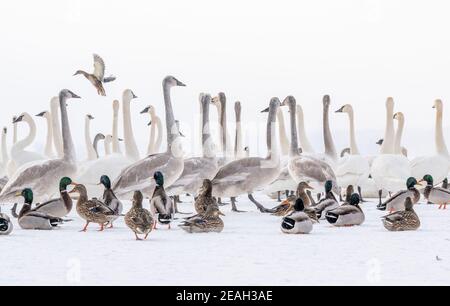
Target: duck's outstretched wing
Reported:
point(109, 79)
point(99, 67)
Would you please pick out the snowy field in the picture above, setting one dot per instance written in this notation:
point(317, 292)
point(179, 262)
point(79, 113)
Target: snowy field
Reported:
point(250, 251)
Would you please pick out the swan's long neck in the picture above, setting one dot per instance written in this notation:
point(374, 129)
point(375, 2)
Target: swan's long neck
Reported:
point(238, 149)
point(159, 128)
point(56, 127)
point(131, 149)
point(115, 128)
point(107, 144)
point(441, 147)
point(271, 137)
point(152, 148)
point(294, 138)
point(22, 144)
point(223, 126)
point(88, 141)
point(282, 133)
point(353, 146)
point(69, 148)
point(304, 141)
point(388, 143)
point(330, 149)
point(15, 133)
point(206, 135)
point(49, 138)
point(5, 156)
point(398, 136)
point(171, 127)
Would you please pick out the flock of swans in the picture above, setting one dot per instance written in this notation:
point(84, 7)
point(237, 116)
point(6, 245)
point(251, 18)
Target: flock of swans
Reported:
point(162, 176)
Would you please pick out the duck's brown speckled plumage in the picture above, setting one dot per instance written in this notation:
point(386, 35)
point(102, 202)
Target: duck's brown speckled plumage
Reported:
point(205, 197)
point(210, 221)
point(406, 220)
point(139, 219)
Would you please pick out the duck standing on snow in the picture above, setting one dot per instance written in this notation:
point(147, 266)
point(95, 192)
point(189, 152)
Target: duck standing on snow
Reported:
point(406, 220)
point(92, 210)
point(205, 197)
point(110, 199)
point(297, 222)
point(397, 201)
point(139, 219)
point(348, 214)
point(209, 221)
point(98, 77)
point(35, 220)
point(435, 195)
point(161, 205)
point(6, 225)
point(328, 203)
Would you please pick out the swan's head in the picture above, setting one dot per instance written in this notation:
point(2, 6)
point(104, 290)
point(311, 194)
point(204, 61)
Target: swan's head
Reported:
point(438, 104)
point(326, 101)
point(4, 131)
point(89, 117)
point(44, 114)
point(237, 107)
point(129, 95)
point(390, 103)
point(159, 178)
point(172, 81)
point(299, 205)
point(19, 118)
point(380, 142)
point(149, 110)
point(347, 108)
point(399, 116)
point(219, 100)
point(108, 138)
point(354, 199)
point(289, 101)
point(66, 93)
point(27, 194)
point(274, 103)
point(105, 181)
point(177, 122)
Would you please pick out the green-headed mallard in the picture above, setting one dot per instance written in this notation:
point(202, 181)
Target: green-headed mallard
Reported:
point(161, 205)
point(209, 221)
point(97, 78)
point(406, 220)
point(6, 226)
point(397, 201)
point(328, 203)
point(139, 219)
point(92, 210)
point(436, 195)
point(35, 220)
point(110, 199)
point(297, 222)
point(348, 214)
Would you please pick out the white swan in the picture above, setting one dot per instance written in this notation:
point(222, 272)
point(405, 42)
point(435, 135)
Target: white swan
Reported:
point(4, 151)
point(43, 176)
point(389, 170)
point(138, 175)
point(48, 148)
point(246, 175)
point(90, 151)
point(437, 165)
point(305, 145)
point(196, 169)
point(352, 169)
point(220, 101)
point(155, 140)
point(131, 149)
point(19, 156)
point(306, 168)
point(56, 127)
point(238, 147)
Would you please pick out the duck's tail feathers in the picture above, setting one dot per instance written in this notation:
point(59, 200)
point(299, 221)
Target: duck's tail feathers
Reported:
point(111, 78)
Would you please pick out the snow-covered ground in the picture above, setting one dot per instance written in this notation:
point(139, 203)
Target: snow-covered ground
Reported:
point(250, 251)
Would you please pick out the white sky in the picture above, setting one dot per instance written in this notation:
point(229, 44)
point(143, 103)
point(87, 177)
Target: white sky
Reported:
point(358, 51)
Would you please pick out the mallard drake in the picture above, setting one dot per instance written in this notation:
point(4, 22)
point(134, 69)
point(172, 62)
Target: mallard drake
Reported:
point(161, 205)
point(348, 214)
point(59, 207)
point(436, 195)
point(209, 221)
point(328, 203)
point(97, 78)
point(396, 202)
point(204, 198)
point(6, 226)
point(297, 222)
point(35, 220)
point(92, 210)
point(139, 219)
point(110, 199)
point(406, 220)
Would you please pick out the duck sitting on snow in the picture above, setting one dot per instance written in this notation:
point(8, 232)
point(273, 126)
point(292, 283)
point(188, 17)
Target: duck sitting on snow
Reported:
point(397, 201)
point(347, 214)
point(328, 203)
point(209, 221)
point(297, 222)
point(436, 195)
point(35, 220)
point(406, 220)
point(161, 205)
point(6, 225)
point(139, 219)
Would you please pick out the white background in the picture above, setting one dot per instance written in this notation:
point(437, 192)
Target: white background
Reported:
point(358, 51)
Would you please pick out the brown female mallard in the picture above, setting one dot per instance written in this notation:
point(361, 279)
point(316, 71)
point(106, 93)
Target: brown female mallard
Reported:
point(139, 219)
point(97, 78)
point(205, 197)
point(209, 221)
point(404, 220)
